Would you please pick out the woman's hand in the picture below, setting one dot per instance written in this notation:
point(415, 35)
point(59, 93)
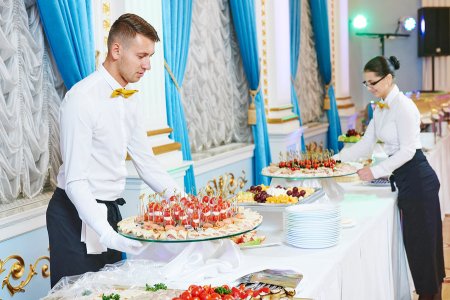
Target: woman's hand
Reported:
point(365, 174)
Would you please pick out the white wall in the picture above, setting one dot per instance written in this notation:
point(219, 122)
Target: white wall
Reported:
point(382, 17)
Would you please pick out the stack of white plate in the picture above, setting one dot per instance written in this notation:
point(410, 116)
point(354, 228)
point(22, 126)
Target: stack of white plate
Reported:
point(315, 225)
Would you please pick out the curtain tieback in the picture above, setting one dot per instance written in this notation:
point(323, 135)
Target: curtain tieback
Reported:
point(326, 101)
point(252, 108)
point(166, 65)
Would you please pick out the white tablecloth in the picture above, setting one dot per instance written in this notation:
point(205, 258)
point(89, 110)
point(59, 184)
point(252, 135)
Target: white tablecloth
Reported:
point(439, 159)
point(368, 263)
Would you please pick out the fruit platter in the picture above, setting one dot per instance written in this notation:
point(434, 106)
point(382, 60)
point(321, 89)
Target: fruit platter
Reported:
point(352, 136)
point(248, 291)
point(304, 165)
point(263, 195)
point(188, 219)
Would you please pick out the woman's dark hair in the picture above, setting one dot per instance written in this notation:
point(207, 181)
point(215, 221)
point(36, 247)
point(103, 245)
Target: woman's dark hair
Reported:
point(382, 66)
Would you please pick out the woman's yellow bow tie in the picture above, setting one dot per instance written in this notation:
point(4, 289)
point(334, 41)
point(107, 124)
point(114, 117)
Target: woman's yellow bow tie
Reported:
point(122, 92)
point(382, 105)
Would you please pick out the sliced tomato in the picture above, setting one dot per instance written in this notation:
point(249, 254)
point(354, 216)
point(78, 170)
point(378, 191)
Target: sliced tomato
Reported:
point(214, 296)
point(191, 287)
point(204, 295)
point(196, 291)
point(186, 296)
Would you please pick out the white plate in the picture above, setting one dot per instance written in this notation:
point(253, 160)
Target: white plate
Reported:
point(313, 246)
point(313, 207)
point(348, 223)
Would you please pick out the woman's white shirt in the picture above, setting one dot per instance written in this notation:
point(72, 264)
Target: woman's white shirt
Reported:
point(397, 126)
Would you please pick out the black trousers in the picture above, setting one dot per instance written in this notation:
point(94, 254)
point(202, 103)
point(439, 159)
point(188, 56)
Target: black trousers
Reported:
point(68, 255)
point(418, 200)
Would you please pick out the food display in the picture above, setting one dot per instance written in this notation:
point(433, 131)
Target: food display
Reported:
point(309, 165)
point(121, 293)
point(249, 239)
point(224, 292)
point(352, 136)
point(274, 195)
point(189, 219)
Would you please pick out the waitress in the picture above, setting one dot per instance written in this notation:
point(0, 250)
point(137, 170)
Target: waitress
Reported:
point(396, 122)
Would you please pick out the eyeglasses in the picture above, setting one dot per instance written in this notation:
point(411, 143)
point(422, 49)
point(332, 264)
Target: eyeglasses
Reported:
point(371, 84)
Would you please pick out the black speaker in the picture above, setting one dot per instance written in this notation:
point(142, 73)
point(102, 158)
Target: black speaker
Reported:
point(434, 31)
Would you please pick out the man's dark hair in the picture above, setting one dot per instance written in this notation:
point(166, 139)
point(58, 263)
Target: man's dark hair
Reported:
point(127, 26)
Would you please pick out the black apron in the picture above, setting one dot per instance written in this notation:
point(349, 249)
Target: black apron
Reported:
point(418, 201)
point(68, 255)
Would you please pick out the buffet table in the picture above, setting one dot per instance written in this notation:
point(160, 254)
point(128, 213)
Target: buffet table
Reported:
point(368, 263)
point(438, 157)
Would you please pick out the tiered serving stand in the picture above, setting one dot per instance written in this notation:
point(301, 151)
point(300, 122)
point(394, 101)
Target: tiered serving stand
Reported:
point(333, 192)
point(203, 239)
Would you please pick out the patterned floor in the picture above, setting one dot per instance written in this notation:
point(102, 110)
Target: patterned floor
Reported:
point(446, 233)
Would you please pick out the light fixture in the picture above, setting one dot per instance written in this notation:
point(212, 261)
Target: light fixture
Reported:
point(409, 24)
point(405, 24)
point(359, 22)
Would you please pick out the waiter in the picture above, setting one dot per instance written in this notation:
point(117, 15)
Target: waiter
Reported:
point(100, 121)
point(396, 122)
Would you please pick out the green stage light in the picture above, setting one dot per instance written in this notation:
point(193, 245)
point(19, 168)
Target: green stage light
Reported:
point(359, 22)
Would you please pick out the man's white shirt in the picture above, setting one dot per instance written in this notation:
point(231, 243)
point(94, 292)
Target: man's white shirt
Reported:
point(97, 131)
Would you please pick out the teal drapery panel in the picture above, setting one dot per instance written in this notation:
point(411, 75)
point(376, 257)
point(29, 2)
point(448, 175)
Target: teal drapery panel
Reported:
point(177, 16)
point(322, 40)
point(294, 25)
point(243, 14)
point(68, 28)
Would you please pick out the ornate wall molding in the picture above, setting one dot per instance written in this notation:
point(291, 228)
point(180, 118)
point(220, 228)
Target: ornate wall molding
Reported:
point(17, 271)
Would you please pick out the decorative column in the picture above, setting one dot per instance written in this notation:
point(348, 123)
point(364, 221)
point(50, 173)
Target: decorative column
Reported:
point(338, 20)
point(274, 49)
point(151, 87)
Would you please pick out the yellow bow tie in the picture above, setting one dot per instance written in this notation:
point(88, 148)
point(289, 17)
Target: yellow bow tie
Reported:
point(382, 105)
point(122, 92)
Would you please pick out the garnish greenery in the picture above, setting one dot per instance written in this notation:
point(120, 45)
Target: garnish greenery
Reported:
point(222, 290)
point(111, 297)
point(156, 287)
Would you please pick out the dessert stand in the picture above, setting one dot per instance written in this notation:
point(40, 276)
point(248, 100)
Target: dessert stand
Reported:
point(333, 191)
point(205, 256)
point(261, 207)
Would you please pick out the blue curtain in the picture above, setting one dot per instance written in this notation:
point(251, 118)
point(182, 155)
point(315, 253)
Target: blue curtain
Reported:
point(294, 25)
point(68, 28)
point(177, 16)
point(243, 14)
point(322, 40)
point(369, 112)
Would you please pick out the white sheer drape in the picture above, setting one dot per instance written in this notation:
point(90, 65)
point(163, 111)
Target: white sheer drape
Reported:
point(29, 102)
point(308, 83)
point(215, 91)
point(441, 63)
